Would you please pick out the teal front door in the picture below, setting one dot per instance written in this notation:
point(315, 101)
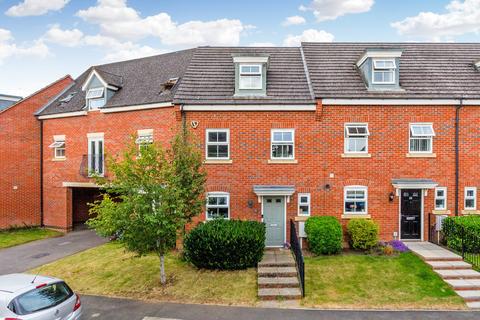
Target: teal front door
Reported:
point(274, 219)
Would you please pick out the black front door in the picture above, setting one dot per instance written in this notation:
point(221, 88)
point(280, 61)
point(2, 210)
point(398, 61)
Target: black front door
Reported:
point(411, 213)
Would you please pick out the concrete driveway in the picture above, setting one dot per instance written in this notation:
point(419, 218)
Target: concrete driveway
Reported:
point(33, 254)
point(123, 309)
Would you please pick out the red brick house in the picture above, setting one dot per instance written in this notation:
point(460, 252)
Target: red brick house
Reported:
point(20, 199)
point(381, 131)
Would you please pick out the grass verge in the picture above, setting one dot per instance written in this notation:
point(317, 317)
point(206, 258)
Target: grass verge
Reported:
point(13, 237)
point(363, 281)
point(109, 270)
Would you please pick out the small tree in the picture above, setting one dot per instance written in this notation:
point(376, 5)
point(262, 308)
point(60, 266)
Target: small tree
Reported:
point(150, 197)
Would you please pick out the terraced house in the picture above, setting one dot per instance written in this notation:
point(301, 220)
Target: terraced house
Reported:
point(356, 130)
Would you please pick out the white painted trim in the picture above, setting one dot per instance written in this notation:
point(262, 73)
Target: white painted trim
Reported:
point(254, 59)
point(309, 203)
point(376, 69)
point(444, 198)
point(346, 138)
point(137, 107)
point(415, 186)
point(272, 131)
point(472, 102)
point(208, 143)
point(10, 98)
point(95, 135)
point(217, 194)
point(474, 198)
point(379, 54)
point(259, 107)
point(63, 115)
point(355, 187)
point(59, 137)
point(144, 132)
point(80, 185)
point(89, 78)
point(394, 102)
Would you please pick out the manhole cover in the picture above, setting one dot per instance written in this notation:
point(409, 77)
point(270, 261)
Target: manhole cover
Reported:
point(40, 255)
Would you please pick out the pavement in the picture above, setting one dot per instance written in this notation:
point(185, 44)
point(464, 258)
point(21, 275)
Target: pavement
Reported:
point(104, 308)
point(33, 254)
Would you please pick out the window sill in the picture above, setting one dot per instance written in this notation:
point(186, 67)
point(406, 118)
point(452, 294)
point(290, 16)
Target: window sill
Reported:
point(468, 212)
point(356, 216)
point(441, 212)
point(356, 155)
point(301, 218)
point(59, 159)
point(211, 161)
point(286, 161)
point(421, 155)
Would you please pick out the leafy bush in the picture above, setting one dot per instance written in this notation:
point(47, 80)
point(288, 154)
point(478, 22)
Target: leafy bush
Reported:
point(225, 244)
point(453, 227)
point(363, 234)
point(324, 235)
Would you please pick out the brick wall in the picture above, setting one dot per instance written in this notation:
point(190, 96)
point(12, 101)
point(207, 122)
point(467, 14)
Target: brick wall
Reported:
point(20, 158)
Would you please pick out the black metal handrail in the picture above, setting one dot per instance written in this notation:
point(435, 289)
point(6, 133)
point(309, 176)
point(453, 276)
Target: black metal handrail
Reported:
point(297, 253)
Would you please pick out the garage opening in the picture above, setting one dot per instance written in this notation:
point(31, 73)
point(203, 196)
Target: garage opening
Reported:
point(81, 197)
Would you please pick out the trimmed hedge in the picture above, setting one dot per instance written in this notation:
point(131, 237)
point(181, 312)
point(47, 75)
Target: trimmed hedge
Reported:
point(363, 233)
point(452, 230)
point(225, 244)
point(324, 235)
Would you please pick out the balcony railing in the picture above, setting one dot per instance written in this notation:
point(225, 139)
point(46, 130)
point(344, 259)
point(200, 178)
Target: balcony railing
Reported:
point(92, 165)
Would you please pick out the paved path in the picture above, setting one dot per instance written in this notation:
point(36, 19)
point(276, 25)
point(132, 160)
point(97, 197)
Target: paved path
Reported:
point(33, 254)
point(453, 270)
point(122, 309)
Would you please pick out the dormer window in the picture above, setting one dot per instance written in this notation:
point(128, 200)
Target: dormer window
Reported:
point(250, 76)
point(384, 71)
point(95, 98)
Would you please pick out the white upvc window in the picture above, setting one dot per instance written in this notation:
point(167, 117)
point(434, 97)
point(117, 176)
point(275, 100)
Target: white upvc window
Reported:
point(356, 138)
point(283, 144)
point(470, 198)
point(144, 138)
point(96, 163)
point(217, 144)
point(304, 204)
point(421, 138)
point(58, 147)
point(355, 200)
point(218, 205)
point(95, 98)
point(383, 71)
point(441, 198)
point(250, 76)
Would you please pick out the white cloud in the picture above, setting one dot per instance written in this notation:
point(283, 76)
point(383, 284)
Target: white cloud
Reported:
point(293, 20)
point(262, 44)
point(309, 35)
point(332, 9)
point(35, 7)
point(9, 49)
point(68, 38)
point(121, 22)
point(460, 18)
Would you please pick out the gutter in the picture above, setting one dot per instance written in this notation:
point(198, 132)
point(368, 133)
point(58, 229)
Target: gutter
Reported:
point(41, 174)
point(457, 156)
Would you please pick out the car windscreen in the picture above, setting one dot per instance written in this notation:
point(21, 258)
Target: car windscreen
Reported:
point(42, 298)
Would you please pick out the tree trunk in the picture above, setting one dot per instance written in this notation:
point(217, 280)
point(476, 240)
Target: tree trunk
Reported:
point(163, 277)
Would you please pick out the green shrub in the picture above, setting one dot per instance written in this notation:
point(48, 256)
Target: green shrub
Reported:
point(225, 244)
point(324, 235)
point(453, 227)
point(363, 234)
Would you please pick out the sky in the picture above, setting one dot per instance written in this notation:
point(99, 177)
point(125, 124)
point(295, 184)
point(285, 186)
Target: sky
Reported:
point(43, 40)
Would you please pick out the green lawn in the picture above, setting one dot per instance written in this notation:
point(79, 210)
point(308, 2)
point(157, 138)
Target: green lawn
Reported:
point(109, 270)
point(10, 238)
point(362, 281)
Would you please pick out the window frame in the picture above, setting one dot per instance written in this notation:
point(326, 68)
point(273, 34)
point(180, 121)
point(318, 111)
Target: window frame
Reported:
point(308, 204)
point(208, 143)
point(250, 74)
point(465, 198)
point(348, 136)
point(365, 199)
point(217, 194)
point(92, 161)
point(272, 133)
point(96, 98)
point(411, 137)
point(58, 144)
point(444, 198)
point(144, 138)
point(375, 69)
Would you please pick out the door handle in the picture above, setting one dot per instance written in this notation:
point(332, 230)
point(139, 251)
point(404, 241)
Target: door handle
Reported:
point(273, 225)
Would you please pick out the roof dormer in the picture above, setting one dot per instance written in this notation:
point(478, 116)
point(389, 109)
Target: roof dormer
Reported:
point(99, 88)
point(250, 75)
point(380, 69)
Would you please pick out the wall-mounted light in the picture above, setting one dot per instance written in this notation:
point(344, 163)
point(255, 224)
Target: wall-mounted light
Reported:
point(250, 203)
point(327, 187)
point(391, 196)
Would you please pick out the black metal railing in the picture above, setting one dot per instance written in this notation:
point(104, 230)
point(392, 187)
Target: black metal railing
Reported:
point(92, 165)
point(297, 253)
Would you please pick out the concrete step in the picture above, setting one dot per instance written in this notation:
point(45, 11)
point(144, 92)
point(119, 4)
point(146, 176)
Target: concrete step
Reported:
point(277, 264)
point(279, 293)
point(469, 295)
point(448, 265)
point(281, 282)
point(277, 272)
point(458, 274)
point(447, 258)
point(473, 305)
point(464, 284)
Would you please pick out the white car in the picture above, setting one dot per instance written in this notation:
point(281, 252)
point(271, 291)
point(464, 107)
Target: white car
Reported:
point(30, 297)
